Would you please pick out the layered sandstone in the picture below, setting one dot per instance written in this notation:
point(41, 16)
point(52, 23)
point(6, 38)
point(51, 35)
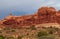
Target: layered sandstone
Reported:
point(43, 15)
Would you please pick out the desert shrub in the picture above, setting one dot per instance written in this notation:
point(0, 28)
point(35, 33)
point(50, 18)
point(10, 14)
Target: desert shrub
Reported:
point(19, 37)
point(0, 31)
point(27, 34)
point(49, 37)
point(42, 33)
point(44, 27)
point(13, 30)
point(52, 30)
point(33, 27)
point(1, 37)
point(6, 28)
point(10, 37)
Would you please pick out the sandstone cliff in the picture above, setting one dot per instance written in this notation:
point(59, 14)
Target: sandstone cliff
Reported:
point(43, 15)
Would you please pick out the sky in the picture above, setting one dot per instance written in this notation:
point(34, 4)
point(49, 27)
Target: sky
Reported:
point(24, 7)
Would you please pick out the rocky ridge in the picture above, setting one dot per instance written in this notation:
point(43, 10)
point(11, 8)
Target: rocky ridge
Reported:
point(43, 15)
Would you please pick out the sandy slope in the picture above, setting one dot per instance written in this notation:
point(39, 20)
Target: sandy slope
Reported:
point(48, 25)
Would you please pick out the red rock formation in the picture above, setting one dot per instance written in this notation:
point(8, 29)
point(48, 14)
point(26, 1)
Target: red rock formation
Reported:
point(52, 14)
point(58, 16)
point(44, 15)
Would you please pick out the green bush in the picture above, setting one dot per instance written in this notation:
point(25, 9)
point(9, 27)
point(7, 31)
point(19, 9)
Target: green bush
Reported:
point(1, 37)
point(42, 33)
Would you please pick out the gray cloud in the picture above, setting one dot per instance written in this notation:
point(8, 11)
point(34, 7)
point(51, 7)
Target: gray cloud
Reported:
point(24, 6)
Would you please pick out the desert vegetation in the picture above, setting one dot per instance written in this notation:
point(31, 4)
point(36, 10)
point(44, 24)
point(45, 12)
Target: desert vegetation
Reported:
point(31, 32)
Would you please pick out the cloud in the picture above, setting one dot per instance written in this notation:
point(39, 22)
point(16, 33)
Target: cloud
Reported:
point(25, 6)
point(57, 4)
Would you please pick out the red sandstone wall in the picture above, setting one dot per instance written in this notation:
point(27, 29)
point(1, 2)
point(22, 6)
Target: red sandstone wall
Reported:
point(44, 15)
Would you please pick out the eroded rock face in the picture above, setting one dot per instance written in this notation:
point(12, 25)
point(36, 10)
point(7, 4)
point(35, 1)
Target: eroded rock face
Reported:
point(10, 22)
point(58, 16)
point(51, 11)
point(44, 15)
point(52, 14)
point(42, 11)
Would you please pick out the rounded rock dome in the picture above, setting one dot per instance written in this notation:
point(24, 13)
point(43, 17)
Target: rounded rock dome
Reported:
point(42, 10)
point(51, 10)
